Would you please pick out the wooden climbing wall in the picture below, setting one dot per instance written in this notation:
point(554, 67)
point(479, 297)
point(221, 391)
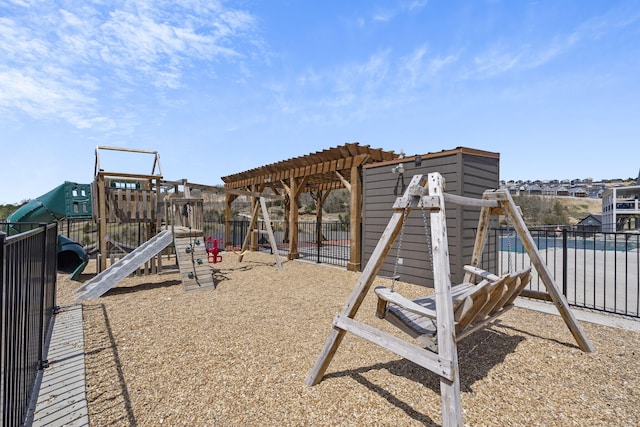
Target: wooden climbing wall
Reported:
point(191, 256)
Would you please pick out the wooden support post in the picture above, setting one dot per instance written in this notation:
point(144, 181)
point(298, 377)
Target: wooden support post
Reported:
point(293, 220)
point(559, 300)
point(481, 239)
point(355, 220)
point(254, 225)
point(272, 237)
point(102, 222)
point(229, 198)
point(158, 224)
point(447, 348)
point(359, 291)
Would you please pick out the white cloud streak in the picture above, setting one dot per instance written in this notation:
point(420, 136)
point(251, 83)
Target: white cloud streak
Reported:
point(57, 57)
point(380, 82)
point(502, 57)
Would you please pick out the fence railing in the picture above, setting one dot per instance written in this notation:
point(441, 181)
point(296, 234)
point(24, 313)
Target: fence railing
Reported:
point(595, 270)
point(599, 271)
point(327, 244)
point(28, 273)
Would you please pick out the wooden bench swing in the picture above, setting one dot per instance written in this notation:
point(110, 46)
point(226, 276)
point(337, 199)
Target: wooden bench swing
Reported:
point(439, 321)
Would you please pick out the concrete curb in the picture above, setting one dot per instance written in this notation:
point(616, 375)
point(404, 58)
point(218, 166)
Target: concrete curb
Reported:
point(582, 315)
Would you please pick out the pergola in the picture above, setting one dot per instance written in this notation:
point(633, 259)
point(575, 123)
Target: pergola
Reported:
point(316, 173)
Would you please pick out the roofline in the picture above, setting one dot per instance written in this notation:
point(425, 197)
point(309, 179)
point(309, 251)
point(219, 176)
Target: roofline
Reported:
point(443, 153)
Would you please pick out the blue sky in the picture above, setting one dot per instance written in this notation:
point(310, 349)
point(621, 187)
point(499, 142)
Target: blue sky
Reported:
point(219, 87)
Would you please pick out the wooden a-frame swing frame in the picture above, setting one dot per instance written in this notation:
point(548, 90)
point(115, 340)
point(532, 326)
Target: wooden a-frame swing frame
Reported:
point(430, 196)
point(261, 204)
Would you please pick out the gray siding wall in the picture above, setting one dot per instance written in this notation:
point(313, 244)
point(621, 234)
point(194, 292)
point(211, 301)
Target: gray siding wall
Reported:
point(465, 174)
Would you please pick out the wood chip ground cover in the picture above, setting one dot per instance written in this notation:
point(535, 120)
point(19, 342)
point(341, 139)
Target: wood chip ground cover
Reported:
point(238, 356)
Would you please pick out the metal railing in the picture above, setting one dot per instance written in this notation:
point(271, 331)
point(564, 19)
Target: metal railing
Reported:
point(594, 270)
point(28, 272)
point(327, 244)
point(599, 271)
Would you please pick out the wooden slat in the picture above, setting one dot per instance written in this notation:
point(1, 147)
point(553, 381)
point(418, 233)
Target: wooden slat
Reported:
point(543, 296)
point(470, 201)
point(418, 355)
point(407, 304)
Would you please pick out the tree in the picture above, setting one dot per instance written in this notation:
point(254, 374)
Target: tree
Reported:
point(540, 210)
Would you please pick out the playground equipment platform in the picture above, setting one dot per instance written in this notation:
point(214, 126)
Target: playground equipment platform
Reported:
point(190, 253)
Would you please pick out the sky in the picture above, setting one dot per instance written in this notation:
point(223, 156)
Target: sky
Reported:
point(220, 87)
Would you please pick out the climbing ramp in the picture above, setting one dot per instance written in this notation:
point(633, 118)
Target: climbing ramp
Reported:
point(191, 255)
point(193, 275)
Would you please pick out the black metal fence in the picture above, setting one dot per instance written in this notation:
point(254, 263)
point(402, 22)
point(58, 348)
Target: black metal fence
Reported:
point(28, 272)
point(599, 271)
point(327, 243)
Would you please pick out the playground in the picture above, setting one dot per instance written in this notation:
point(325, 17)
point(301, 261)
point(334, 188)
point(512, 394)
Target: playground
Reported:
point(156, 355)
point(184, 343)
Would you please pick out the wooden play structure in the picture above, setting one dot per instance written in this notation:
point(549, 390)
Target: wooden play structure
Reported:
point(125, 198)
point(439, 321)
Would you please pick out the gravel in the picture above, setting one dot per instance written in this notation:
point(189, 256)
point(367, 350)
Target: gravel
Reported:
point(238, 355)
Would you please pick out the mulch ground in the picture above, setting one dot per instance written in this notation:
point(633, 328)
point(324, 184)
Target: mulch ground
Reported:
point(238, 355)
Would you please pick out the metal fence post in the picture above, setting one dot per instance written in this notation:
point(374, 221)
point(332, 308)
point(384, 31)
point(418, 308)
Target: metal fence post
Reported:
point(564, 261)
point(3, 373)
point(42, 362)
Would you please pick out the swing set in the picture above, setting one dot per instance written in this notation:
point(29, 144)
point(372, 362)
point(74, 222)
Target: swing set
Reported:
point(253, 229)
point(437, 322)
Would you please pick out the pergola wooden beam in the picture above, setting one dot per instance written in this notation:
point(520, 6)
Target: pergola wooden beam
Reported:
point(323, 171)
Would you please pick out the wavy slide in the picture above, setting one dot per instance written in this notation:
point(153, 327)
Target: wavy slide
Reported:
point(66, 200)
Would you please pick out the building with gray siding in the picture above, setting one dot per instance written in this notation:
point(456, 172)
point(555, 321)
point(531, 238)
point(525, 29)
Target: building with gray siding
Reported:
point(468, 172)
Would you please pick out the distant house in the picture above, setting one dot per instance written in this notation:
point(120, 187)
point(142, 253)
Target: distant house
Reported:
point(590, 224)
point(578, 192)
point(534, 189)
point(562, 191)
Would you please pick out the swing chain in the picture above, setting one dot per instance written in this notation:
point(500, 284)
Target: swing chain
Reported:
point(399, 247)
point(509, 267)
point(427, 233)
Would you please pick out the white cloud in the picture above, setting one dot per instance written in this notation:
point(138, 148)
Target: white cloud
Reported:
point(419, 69)
point(496, 61)
point(503, 57)
point(106, 47)
point(416, 4)
point(382, 15)
point(353, 91)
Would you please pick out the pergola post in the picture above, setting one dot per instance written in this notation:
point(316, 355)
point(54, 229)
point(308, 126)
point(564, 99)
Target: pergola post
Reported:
point(355, 220)
point(229, 198)
point(293, 219)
